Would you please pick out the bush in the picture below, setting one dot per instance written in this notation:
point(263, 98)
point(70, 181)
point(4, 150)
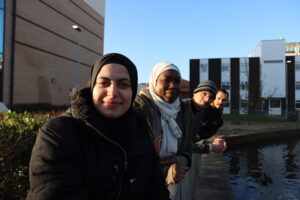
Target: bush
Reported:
point(37, 107)
point(17, 136)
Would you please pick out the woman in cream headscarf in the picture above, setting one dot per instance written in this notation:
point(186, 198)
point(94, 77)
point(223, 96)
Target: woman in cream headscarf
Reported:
point(170, 126)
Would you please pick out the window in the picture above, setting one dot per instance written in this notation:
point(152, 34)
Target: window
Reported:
point(274, 103)
point(1, 4)
point(1, 26)
point(228, 103)
point(243, 67)
point(244, 85)
point(225, 67)
point(225, 85)
point(244, 103)
point(273, 61)
point(290, 49)
point(297, 85)
point(298, 104)
point(203, 67)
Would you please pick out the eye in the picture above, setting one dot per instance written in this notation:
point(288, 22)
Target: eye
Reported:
point(165, 80)
point(103, 83)
point(124, 84)
point(177, 81)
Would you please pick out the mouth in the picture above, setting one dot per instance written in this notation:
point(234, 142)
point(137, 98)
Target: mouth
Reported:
point(172, 93)
point(112, 104)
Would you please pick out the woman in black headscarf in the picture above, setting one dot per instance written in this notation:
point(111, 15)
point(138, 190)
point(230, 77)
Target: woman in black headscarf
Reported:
point(100, 148)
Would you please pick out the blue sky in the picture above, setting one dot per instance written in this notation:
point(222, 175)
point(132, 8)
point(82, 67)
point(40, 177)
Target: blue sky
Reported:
point(176, 31)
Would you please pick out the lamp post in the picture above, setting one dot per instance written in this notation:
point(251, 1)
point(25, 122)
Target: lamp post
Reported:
point(77, 28)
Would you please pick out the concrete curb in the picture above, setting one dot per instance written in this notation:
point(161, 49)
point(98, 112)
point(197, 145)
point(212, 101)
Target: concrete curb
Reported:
point(233, 140)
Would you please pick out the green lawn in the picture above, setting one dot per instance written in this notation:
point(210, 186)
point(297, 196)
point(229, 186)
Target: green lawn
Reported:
point(254, 118)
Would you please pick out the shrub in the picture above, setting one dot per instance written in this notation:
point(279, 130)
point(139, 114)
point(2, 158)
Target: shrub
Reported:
point(17, 136)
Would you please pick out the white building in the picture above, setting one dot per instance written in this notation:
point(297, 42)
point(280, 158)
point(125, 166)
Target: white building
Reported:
point(273, 66)
point(268, 79)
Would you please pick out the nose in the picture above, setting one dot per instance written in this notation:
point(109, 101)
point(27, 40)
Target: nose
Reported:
point(112, 90)
point(206, 99)
point(219, 101)
point(172, 84)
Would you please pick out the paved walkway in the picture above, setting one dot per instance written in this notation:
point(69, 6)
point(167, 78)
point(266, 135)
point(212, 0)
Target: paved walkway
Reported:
point(213, 180)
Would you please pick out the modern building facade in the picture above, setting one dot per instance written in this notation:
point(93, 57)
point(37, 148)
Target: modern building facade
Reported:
point(292, 48)
point(44, 56)
point(266, 80)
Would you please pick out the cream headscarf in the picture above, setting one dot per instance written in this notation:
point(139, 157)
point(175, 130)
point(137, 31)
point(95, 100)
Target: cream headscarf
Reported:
point(169, 111)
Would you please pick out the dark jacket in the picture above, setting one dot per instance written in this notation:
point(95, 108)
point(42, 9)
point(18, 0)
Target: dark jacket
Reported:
point(73, 159)
point(212, 121)
point(144, 103)
point(207, 121)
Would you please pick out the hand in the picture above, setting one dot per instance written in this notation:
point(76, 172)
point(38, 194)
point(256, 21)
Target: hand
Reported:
point(167, 161)
point(219, 145)
point(179, 172)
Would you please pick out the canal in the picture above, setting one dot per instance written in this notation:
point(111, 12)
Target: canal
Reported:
point(267, 171)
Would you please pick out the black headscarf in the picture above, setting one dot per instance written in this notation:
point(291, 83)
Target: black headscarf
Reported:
point(119, 128)
point(119, 59)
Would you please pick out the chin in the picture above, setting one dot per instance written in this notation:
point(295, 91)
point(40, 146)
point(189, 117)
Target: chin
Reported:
point(203, 106)
point(170, 99)
point(112, 116)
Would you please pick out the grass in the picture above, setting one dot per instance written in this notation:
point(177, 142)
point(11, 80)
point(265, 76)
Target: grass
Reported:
point(254, 118)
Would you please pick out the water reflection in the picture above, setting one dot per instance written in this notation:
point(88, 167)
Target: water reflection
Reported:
point(269, 171)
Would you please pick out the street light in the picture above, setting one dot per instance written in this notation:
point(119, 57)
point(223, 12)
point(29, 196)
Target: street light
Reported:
point(77, 28)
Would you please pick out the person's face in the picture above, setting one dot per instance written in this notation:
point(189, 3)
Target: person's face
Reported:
point(221, 100)
point(168, 85)
point(112, 93)
point(203, 98)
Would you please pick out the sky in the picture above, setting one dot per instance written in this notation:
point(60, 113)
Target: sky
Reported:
point(153, 31)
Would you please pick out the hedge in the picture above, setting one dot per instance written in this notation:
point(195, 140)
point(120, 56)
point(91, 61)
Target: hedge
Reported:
point(17, 136)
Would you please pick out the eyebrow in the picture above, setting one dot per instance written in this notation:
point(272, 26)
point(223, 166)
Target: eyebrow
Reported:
point(172, 78)
point(121, 79)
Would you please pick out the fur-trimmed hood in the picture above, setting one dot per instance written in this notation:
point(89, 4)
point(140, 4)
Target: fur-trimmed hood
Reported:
point(81, 104)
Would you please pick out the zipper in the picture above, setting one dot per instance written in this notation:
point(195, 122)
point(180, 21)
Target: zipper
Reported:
point(113, 142)
point(120, 147)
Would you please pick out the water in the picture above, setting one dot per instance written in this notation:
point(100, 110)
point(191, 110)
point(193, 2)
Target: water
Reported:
point(265, 172)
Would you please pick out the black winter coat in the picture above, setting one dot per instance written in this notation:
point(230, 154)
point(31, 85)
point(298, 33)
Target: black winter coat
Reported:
point(212, 121)
point(72, 159)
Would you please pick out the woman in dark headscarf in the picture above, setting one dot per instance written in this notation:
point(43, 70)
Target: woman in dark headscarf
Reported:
point(100, 148)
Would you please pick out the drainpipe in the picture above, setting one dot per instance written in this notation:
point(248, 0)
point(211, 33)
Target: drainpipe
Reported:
point(12, 54)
